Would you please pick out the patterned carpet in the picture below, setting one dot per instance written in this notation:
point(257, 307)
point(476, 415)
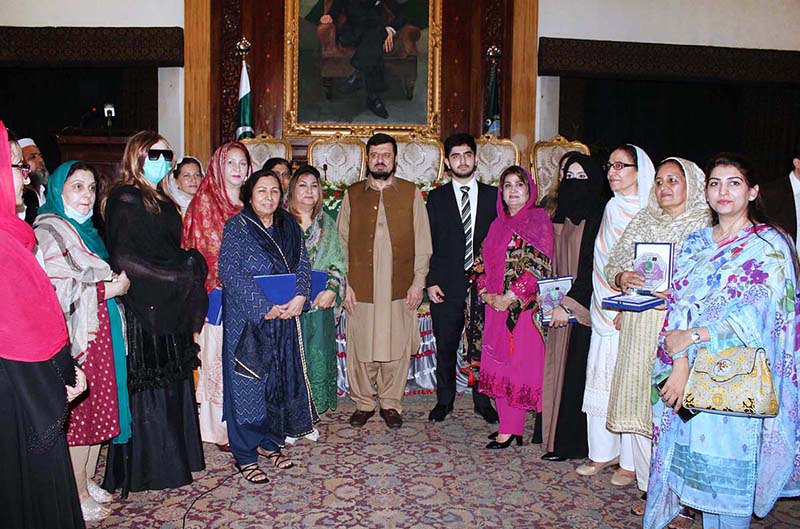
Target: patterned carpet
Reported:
point(424, 475)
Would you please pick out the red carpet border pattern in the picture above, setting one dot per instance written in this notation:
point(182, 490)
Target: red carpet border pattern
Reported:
point(423, 476)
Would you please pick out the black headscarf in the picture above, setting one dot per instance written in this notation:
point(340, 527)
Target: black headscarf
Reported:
point(581, 199)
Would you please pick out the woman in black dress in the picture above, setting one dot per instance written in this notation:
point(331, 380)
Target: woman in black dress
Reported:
point(165, 305)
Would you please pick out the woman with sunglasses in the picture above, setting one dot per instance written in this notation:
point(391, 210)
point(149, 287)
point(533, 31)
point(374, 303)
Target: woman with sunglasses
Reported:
point(182, 184)
point(630, 176)
point(165, 305)
point(216, 201)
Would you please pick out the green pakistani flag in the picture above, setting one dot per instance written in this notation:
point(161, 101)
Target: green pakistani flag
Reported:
point(245, 130)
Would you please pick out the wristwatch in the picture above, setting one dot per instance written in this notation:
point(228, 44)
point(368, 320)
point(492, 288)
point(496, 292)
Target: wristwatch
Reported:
point(695, 337)
point(568, 310)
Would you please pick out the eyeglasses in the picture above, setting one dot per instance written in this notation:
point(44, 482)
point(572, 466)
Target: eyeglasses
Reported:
point(153, 154)
point(25, 168)
point(619, 166)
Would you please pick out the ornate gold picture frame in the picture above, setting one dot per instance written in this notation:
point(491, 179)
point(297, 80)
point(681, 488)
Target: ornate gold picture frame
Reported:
point(314, 86)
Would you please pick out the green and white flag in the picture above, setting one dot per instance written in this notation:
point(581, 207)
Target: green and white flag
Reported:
point(245, 129)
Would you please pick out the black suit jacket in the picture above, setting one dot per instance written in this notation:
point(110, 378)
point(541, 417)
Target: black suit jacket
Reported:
point(447, 235)
point(780, 209)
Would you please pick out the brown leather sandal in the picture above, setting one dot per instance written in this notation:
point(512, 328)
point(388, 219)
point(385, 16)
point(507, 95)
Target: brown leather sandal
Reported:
point(684, 520)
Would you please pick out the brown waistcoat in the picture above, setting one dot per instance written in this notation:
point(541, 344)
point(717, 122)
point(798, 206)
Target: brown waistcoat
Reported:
point(398, 203)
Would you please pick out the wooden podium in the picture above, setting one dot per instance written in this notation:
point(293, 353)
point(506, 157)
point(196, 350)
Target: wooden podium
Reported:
point(99, 147)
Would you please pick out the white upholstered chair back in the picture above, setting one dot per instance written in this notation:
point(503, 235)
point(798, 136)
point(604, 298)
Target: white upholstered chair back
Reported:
point(419, 160)
point(339, 158)
point(264, 147)
point(545, 158)
point(494, 156)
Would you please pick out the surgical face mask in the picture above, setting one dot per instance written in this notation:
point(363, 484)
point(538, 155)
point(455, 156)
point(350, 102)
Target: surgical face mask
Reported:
point(74, 215)
point(156, 170)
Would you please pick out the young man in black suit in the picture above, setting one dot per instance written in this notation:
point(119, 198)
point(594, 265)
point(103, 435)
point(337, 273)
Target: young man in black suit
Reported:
point(460, 213)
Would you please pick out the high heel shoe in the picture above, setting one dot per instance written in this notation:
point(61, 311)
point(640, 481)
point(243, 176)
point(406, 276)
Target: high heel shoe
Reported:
point(492, 436)
point(495, 445)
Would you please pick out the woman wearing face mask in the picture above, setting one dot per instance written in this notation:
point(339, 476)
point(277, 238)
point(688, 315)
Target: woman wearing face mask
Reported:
point(267, 395)
point(676, 208)
point(165, 305)
point(577, 215)
point(325, 253)
point(182, 184)
point(37, 487)
point(76, 260)
point(216, 201)
point(630, 176)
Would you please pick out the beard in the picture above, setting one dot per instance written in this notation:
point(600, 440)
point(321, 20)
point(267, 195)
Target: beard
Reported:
point(459, 174)
point(39, 178)
point(382, 175)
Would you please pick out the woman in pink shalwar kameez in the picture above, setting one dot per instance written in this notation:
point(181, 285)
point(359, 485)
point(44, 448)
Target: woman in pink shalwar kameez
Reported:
point(517, 252)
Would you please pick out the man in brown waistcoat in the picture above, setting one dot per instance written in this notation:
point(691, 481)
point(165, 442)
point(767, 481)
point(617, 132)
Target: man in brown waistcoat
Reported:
point(384, 227)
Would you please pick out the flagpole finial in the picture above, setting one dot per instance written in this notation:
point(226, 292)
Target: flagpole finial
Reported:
point(493, 53)
point(242, 47)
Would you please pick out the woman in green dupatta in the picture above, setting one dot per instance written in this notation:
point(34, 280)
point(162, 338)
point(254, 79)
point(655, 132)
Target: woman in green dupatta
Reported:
point(326, 254)
point(76, 259)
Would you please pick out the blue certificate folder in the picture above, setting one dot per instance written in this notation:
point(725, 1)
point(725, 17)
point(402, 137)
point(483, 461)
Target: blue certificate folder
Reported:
point(632, 302)
point(214, 315)
point(280, 288)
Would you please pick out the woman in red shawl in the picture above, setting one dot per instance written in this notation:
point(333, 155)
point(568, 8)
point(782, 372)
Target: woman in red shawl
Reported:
point(517, 252)
point(216, 201)
point(37, 487)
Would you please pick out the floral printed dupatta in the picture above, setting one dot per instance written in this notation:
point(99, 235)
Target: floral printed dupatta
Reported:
point(744, 291)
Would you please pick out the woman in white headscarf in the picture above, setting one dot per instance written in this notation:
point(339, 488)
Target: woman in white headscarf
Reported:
point(677, 207)
point(630, 176)
point(182, 183)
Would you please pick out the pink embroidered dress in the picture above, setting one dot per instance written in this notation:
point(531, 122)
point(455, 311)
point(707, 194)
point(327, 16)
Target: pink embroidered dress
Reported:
point(517, 252)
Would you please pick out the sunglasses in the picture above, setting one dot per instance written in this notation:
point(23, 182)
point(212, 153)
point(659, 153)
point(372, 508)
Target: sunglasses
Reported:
point(153, 154)
point(619, 166)
point(25, 168)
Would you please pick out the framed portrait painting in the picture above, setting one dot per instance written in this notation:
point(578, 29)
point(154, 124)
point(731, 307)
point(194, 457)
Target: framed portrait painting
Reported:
point(360, 66)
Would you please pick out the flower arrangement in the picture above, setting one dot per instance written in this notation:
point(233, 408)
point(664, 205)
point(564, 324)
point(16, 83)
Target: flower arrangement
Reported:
point(332, 195)
point(333, 192)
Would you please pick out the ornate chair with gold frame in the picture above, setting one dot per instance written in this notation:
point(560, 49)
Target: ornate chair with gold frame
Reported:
point(339, 158)
point(494, 156)
point(419, 160)
point(263, 147)
point(545, 158)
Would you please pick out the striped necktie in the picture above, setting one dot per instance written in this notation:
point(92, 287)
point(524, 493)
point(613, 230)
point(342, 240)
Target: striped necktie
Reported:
point(466, 222)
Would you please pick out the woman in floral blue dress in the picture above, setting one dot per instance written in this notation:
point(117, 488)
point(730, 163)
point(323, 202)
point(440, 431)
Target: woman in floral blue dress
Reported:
point(734, 285)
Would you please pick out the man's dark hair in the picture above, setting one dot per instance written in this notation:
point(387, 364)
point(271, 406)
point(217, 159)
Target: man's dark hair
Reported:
point(458, 139)
point(380, 139)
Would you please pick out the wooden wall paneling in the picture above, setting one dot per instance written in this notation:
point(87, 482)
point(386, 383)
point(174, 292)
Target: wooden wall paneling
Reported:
point(458, 74)
point(475, 99)
point(262, 24)
point(229, 67)
point(523, 74)
point(197, 105)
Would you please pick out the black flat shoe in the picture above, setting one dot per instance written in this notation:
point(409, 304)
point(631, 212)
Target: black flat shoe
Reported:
point(439, 412)
point(375, 104)
point(492, 435)
point(494, 445)
point(552, 456)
